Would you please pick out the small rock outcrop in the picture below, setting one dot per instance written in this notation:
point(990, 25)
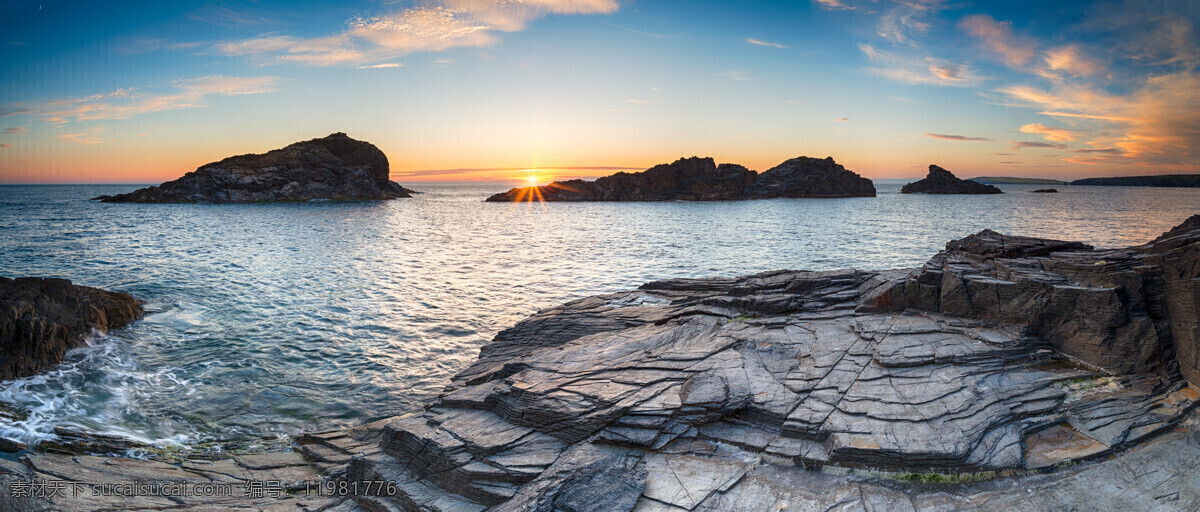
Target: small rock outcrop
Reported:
point(941, 181)
point(809, 177)
point(701, 179)
point(1046, 191)
point(41, 319)
point(1002, 353)
point(334, 167)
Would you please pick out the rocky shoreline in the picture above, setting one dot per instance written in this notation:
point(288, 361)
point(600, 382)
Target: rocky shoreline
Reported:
point(41, 319)
point(701, 179)
point(1006, 373)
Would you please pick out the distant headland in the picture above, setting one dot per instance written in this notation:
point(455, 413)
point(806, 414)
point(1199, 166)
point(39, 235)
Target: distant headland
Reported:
point(335, 167)
point(1162, 180)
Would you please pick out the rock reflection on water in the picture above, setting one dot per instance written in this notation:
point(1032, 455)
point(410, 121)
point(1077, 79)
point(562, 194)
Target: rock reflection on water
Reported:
point(276, 318)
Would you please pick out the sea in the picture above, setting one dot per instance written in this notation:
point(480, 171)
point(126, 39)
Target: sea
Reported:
point(267, 320)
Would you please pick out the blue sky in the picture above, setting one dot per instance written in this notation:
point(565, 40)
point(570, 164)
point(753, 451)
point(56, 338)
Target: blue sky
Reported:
point(486, 90)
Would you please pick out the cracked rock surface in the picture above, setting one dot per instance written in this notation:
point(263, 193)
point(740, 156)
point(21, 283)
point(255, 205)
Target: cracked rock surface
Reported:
point(1001, 356)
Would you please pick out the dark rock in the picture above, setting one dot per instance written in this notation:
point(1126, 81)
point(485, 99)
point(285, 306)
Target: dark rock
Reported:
point(941, 181)
point(1163, 180)
point(335, 167)
point(810, 177)
point(701, 179)
point(1046, 191)
point(41, 319)
point(1002, 353)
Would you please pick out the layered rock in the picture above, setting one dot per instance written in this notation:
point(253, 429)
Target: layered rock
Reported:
point(941, 181)
point(334, 167)
point(41, 319)
point(1002, 353)
point(701, 179)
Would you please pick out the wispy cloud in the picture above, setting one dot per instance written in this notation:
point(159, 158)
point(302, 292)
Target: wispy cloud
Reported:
point(5, 145)
point(126, 103)
point(842, 119)
point(641, 102)
point(903, 99)
point(907, 20)
point(88, 137)
point(387, 65)
point(913, 70)
point(14, 130)
point(1071, 59)
point(442, 25)
point(834, 5)
point(1051, 133)
point(12, 111)
point(225, 17)
point(736, 75)
point(759, 42)
point(999, 38)
point(1036, 145)
point(962, 138)
point(444, 61)
point(794, 102)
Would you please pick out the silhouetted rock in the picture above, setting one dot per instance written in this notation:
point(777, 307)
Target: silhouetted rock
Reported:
point(1046, 191)
point(41, 319)
point(941, 181)
point(335, 167)
point(809, 177)
point(701, 179)
point(1001, 353)
point(1164, 180)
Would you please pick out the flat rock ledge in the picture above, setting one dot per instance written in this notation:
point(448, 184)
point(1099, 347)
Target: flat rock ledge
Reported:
point(941, 181)
point(701, 179)
point(336, 167)
point(41, 319)
point(1000, 358)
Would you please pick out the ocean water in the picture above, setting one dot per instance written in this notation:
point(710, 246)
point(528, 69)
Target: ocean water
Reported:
point(271, 319)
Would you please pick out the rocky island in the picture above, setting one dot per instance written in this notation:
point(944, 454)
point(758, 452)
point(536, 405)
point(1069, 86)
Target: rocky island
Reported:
point(941, 181)
point(1162, 180)
point(701, 179)
point(1006, 373)
point(335, 167)
point(41, 319)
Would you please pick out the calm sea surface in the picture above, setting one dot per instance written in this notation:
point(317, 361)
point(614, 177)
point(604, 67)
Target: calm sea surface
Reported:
point(273, 319)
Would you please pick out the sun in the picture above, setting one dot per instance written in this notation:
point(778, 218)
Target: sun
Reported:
point(532, 180)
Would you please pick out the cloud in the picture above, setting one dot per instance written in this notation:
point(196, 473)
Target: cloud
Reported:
point(907, 20)
point(444, 61)
point(89, 137)
point(962, 138)
point(914, 70)
point(1000, 39)
point(226, 17)
point(759, 42)
point(736, 75)
point(387, 65)
point(794, 102)
point(1036, 145)
point(126, 103)
point(842, 119)
point(1104, 151)
point(834, 5)
point(1070, 59)
point(1049, 133)
point(13, 130)
point(5, 145)
point(903, 99)
point(442, 25)
point(641, 102)
point(12, 111)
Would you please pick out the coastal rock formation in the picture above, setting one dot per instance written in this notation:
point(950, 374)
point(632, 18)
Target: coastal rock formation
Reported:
point(1046, 191)
point(809, 177)
point(41, 319)
point(941, 181)
point(1162, 180)
point(1002, 353)
point(701, 179)
point(335, 167)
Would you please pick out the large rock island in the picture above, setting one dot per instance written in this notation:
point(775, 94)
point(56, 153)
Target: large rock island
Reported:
point(701, 179)
point(41, 319)
point(334, 167)
point(1001, 357)
point(941, 181)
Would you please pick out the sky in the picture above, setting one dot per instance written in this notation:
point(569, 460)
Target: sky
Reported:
point(478, 90)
